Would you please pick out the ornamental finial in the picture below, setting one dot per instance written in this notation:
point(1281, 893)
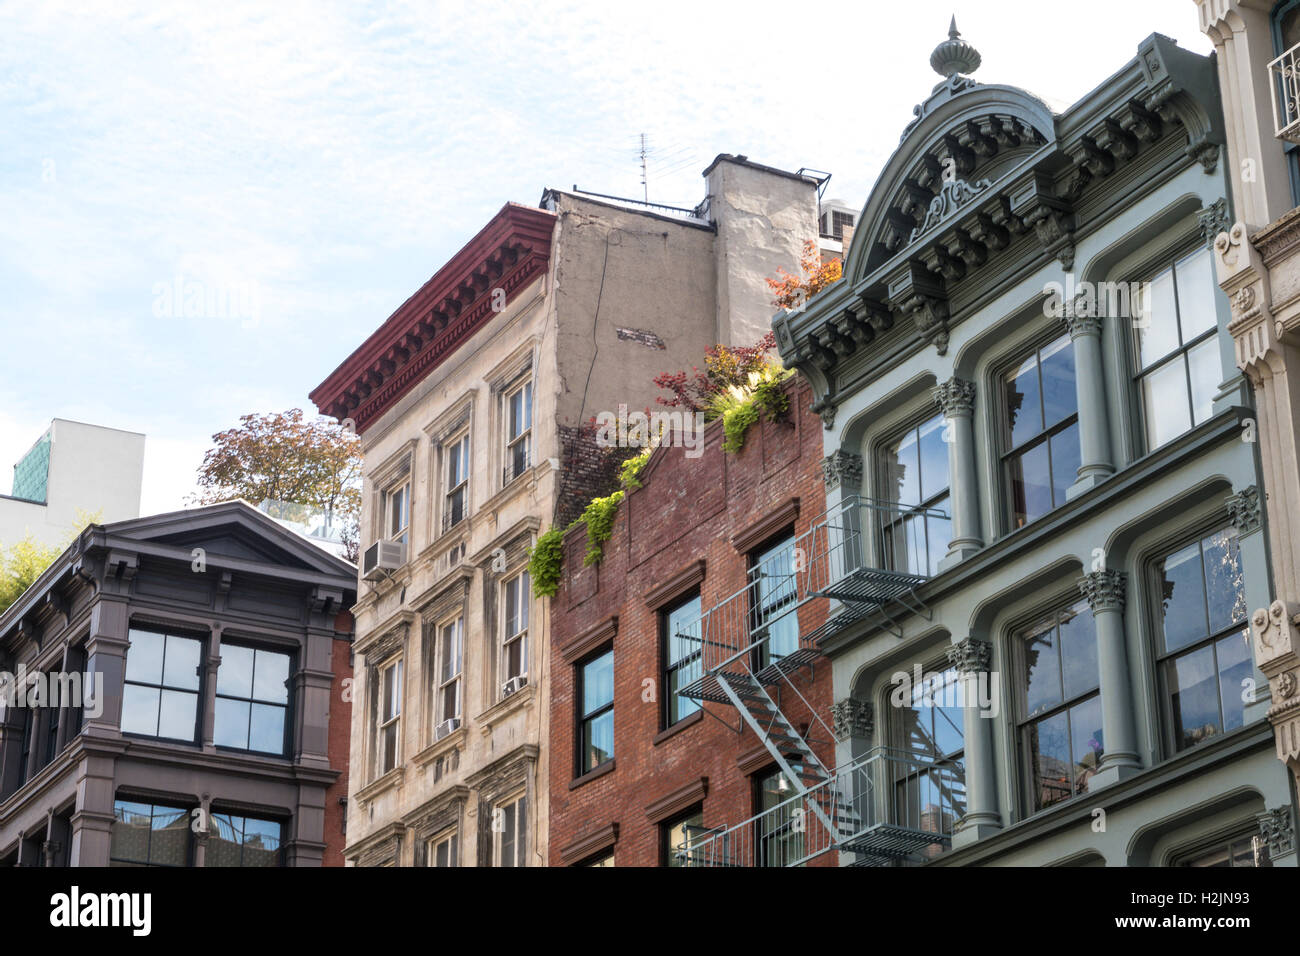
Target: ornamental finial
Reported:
point(954, 55)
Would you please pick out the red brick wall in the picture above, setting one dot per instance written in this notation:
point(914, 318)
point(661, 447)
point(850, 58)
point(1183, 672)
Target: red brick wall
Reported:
point(686, 510)
point(340, 727)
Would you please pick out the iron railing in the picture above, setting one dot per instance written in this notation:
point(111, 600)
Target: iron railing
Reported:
point(889, 807)
point(1284, 75)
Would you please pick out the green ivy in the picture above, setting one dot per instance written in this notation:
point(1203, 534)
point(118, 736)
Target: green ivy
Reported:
point(741, 407)
point(599, 519)
point(546, 561)
point(629, 471)
point(736, 421)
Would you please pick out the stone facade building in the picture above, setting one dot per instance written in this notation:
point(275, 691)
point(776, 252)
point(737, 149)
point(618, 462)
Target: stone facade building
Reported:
point(219, 644)
point(1034, 427)
point(1258, 260)
point(470, 402)
point(642, 775)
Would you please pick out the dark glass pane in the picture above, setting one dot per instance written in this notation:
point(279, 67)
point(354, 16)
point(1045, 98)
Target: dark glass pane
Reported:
point(1060, 400)
point(267, 734)
point(140, 710)
point(934, 458)
point(1066, 459)
point(1223, 581)
point(271, 677)
point(1050, 760)
point(181, 665)
point(235, 675)
point(1031, 484)
point(144, 658)
point(598, 683)
point(1042, 672)
point(1078, 651)
point(231, 726)
point(1183, 598)
point(1236, 666)
point(1194, 692)
point(1087, 741)
point(1024, 408)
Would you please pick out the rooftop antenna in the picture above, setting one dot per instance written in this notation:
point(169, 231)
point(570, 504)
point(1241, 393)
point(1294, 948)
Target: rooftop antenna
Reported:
point(645, 186)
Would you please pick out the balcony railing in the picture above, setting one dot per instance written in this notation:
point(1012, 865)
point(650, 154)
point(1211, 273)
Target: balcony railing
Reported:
point(1284, 77)
point(889, 807)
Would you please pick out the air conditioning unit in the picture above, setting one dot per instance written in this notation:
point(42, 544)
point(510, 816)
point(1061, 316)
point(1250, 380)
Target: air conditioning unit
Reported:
point(446, 727)
point(381, 557)
point(514, 684)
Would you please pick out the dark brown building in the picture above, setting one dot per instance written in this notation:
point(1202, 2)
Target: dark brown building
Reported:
point(705, 555)
point(216, 732)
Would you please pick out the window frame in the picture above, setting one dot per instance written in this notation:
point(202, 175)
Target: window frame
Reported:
point(383, 722)
point(523, 612)
point(760, 614)
point(401, 535)
point(516, 799)
point(448, 837)
point(666, 827)
point(288, 705)
point(200, 693)
point(244, 818)
point(453, 454)
point(913, 425)
point(762, 841)
point(667, 669)
point(523, 386)
point(583, 718)
point(455, 623)
point(187, 813)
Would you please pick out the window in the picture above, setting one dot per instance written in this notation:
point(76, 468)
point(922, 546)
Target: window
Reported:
point(916, 477)
point(1248, 850)
point(252, 700)
point(397, 513)
point(390, 716)
point(596, 712)
point(514, 644)
point(1061, 730)
point(1205, 652)
point(243, 841)
point(456, 505)
point(149, 834)
point(160, 697)
point(25, 759)
point(773, 594)
point(451, 648)
point(683, 657)
point(930, 786)
point(1178, 354)
point(1041, 431)
point(778, 837)
point(443, 850)
point(519, 431)
point(678, 836)
point(510, 824)
point(605, 859)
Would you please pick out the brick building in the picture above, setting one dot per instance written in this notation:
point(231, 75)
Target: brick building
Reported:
point(700, 536)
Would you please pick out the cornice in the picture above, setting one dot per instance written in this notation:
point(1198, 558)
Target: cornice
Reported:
point(782, 516)
point(683, 581)
point(677, 801)
point(589, 844)
point(589, 640)
point(509, 252)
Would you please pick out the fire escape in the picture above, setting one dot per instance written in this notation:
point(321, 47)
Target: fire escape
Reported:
point(885, 807)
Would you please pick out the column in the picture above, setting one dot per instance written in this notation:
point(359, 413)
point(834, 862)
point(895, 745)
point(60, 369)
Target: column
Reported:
point(204, 833)
point(1105, 593)
point(957, 399)
point(842, 474)
point(211, 665)
point(1246, 513)
point(1090, 393)
point(972, 659)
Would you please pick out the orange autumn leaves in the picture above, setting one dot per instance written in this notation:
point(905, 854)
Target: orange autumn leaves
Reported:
point(792, 291)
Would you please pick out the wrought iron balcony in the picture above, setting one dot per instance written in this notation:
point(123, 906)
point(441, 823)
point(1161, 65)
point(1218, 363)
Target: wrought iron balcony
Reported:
point(888, 808)
point(1284, 77)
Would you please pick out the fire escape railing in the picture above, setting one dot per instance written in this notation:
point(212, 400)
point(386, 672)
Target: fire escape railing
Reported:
point(866, 554)
point(888, 807)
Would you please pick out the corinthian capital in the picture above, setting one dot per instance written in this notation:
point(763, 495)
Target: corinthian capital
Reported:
point(1104, 590)
point(955, 396)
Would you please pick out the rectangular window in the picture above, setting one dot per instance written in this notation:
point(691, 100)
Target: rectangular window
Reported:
point(443, 850)
point(149, 834)
point(1206, 656)
point(390, 717)
point(160, 697)
point(252, 706)
point(456, 503)
point(683, 657)
point(1178, 354)
point(397, 513)
point(778, 836)
point(519, 431)
point(1248, 850)
point(596, 712)
point(451, 649)
point(678, 836)
point(930, 790)
point(774, 626)
point(243, 841)
point(1061, 702)
point(1041, 431)
point(916, 477)
point(510, 825)
point(514, 640)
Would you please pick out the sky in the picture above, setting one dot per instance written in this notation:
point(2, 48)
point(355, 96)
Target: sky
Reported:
point(204, 208)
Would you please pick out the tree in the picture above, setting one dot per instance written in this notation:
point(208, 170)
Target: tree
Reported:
point(26, 560)
point(285, 458)
point(791, 291)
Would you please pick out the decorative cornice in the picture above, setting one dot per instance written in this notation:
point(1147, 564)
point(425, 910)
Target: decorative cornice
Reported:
point(842, 467)
point(954, 397)
point(688, 579)
point(507, 254)
point(954, 194)
point(1213, 219)
point(677, 801)
point(1104, 589)
point(591, 639)
point(778, 518)
point(1277, 828)
point(851, 718)
point(971, 656)
point(1245, 510)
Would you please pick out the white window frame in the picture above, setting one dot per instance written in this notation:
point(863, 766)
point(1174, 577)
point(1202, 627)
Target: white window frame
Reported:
point(520, 834)
point(453, 629)
point(449, 838)
point(522, 611)
point(403, 532)
point(524, 436)
point(386, 719)
point(456, 450)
